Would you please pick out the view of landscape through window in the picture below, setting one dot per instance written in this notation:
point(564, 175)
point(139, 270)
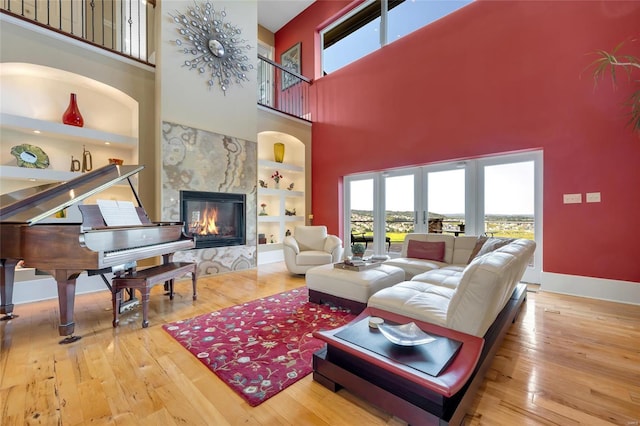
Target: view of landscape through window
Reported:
point(508, 202)
point(403, 18)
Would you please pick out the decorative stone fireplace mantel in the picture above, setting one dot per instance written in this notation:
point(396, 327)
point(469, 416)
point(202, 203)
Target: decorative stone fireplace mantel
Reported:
point(199, 160)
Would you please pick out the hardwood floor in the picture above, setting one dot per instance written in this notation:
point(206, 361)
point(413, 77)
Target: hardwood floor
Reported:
point(565, 361)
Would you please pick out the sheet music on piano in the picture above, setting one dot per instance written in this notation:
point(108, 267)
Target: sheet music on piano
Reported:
point(119, 213)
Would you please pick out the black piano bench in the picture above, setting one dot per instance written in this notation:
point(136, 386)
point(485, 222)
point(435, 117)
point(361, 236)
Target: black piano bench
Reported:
point(144, 279)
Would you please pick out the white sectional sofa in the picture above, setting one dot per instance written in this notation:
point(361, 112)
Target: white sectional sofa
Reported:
point(467, 284)
point(452, 293)
point(457, 251)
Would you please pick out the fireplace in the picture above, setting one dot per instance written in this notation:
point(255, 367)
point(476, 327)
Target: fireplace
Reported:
point(214, 219)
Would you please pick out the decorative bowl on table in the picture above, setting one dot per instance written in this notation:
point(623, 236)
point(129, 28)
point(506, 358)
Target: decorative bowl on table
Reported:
point(405, 334)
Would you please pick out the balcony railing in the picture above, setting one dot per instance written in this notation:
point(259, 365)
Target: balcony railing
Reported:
point(283, 90)
point(123, 26)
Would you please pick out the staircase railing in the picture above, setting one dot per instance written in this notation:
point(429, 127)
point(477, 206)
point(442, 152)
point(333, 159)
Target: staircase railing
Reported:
point(283, 90)
point(120, 26)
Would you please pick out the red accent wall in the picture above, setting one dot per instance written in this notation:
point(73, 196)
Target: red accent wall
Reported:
point(493, 77)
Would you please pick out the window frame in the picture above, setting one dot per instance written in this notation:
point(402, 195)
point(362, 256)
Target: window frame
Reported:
point(351, 22)
point(474, 199)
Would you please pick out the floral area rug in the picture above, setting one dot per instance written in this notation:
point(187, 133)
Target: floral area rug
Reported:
point(260, 347)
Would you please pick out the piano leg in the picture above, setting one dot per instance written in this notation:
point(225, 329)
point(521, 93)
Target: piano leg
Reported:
point(7, 275)
point(168, 285)
point(146, 295)
point(66, 281)
point(116, 301)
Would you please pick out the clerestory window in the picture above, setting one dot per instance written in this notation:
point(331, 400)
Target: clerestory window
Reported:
point(376, 23)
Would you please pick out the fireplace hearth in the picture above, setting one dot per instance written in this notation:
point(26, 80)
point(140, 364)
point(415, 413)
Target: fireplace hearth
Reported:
point(214, 219)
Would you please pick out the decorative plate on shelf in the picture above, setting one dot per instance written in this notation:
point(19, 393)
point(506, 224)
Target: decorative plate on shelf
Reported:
point(30, 156)
point(405, 334)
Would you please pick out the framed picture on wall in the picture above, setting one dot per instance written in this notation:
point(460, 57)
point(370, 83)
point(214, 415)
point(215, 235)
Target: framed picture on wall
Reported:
point(291, 61)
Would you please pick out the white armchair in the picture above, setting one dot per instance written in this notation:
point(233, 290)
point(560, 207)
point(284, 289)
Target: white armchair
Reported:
point(310, 246)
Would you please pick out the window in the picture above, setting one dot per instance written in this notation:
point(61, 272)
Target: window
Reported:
point(410, 15)
point(361, 207)
point(266, 86)
point(377, 23)
point(500, 196)
point(445, 200)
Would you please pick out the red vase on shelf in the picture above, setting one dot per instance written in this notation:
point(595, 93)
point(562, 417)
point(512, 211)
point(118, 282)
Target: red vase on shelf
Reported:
point(72, 115)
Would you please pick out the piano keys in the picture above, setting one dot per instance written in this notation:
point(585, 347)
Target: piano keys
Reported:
point(65, 250)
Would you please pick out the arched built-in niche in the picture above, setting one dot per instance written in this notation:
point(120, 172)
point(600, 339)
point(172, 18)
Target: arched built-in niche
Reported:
point(34, 98)
point(42, 93)
point(284, 206)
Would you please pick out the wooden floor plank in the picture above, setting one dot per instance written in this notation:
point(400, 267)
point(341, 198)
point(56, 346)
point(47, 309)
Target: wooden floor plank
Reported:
point(566, 361)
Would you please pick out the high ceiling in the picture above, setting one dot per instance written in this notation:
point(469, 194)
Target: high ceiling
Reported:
point(274, 14)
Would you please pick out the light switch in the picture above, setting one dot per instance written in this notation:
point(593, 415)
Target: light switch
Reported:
point(572, 198)
point(593, 197)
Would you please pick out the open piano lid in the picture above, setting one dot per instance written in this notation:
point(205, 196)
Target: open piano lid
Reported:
point(31, 205)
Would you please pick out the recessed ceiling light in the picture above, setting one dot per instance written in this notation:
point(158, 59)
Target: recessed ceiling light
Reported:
point(107, 143)
point(36, 132)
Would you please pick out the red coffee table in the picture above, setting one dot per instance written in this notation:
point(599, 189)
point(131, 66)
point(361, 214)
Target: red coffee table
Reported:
point(392, 384)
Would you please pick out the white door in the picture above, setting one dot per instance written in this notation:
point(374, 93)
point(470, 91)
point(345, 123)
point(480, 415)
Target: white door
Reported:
point(359, 204)
point(400, 210)
point(445, 201)
point(510, 202)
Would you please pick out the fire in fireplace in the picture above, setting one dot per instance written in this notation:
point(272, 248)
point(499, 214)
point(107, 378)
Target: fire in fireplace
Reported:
point(214, 219)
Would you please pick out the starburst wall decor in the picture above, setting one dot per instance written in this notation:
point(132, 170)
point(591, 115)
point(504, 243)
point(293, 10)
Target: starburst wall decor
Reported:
point(214, 47)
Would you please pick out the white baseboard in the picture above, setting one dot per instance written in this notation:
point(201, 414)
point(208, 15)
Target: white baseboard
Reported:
point(594, 288)
point(270, 256)
point(45, 287)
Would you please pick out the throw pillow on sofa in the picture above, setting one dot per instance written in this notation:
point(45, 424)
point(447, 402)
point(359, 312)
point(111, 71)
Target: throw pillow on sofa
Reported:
point(493, 244)
point(476, 249)
point(428, 250)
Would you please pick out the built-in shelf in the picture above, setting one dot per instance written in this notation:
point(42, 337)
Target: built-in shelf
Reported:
point(282, 200)
point(26, 173)
point(269, 218)
point(280, 166)
point(28, 274)
point(293, 218)
point(280, 192)
point(275, 219)
point(47, 175)
point(51, 129)
point(58, 137)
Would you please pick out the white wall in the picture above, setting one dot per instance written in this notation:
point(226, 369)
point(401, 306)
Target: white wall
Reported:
point(184, 94)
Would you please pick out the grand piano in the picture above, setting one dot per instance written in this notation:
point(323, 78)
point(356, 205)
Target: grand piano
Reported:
point(65, 250)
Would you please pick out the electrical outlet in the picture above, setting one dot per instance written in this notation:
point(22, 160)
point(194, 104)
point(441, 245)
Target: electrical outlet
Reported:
point(593, 197)
point(572, 198)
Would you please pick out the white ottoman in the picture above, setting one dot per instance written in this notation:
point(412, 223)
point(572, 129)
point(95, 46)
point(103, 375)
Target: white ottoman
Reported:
point(349, 289)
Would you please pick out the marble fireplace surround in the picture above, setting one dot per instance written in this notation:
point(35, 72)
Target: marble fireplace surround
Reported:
point(200, 160)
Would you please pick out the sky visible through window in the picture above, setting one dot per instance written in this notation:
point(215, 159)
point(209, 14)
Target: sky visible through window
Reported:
point(509, 190)
point(403, 19)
